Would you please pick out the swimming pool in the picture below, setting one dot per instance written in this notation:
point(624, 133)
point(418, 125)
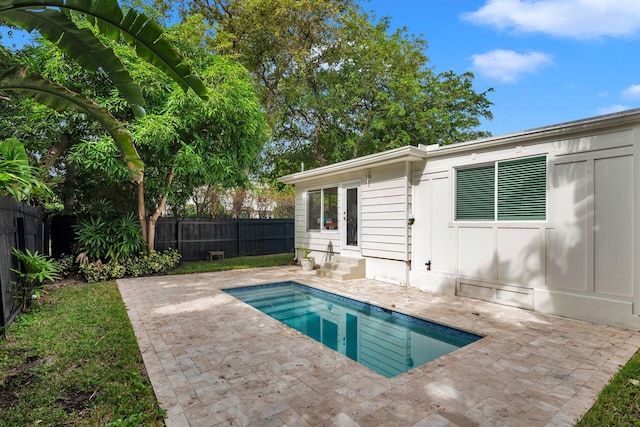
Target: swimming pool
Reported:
point(386, 341)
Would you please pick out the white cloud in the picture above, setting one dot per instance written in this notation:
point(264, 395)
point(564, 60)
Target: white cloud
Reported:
point(632, 92)
point(507, 65)
point(613, 109)
point(580, 19)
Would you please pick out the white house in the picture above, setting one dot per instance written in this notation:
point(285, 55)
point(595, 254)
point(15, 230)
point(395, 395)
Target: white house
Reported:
point(543, 219)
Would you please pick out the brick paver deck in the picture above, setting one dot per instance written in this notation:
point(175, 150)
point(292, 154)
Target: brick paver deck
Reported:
point(213, 360)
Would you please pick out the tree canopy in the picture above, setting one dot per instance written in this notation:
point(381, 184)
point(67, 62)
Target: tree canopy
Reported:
point(336, 83)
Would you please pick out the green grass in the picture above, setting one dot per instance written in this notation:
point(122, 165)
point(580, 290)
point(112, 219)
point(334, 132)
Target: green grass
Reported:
point(74, 360)
point(619, 402)
point(189, 267)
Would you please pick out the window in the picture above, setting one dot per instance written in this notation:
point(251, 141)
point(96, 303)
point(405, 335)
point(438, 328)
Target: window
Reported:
point(519, 195)
point(322, 209)
point(314, 209)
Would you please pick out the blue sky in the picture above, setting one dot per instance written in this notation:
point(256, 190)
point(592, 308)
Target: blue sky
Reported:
point(549, 61)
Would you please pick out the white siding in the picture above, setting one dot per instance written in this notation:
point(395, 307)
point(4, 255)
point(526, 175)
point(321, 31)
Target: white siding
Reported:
point(577, 263)
point(384, 214)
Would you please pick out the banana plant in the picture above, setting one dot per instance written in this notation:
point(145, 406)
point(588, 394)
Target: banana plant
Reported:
point(52, 19)
point(59, 98)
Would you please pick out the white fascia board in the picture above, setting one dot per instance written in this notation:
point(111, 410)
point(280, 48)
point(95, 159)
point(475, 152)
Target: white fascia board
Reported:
point(562, 130)
point(407, 153)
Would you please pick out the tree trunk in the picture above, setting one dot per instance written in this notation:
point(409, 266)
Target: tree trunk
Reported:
point(142, 214)
point(151, 232)
point(56, 150)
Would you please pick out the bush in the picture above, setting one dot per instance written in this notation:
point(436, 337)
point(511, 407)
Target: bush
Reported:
point(67, 266)
point(99, 272)
point(154, 263)
point(109, 239)
point(36, 269)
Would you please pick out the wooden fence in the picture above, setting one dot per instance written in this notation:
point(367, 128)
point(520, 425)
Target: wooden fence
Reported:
point(23, 227)
point(194, 237)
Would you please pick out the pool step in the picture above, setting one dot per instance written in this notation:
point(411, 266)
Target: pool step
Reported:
point(343, 268)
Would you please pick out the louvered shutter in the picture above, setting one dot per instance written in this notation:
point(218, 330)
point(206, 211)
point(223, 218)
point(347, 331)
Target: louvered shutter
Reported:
point(475, 191)
point(522, 189)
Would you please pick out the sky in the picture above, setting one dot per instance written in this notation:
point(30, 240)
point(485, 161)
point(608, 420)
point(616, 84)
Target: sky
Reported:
point(548, 61)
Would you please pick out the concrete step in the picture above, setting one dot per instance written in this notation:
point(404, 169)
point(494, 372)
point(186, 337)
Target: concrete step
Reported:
point(343, 268)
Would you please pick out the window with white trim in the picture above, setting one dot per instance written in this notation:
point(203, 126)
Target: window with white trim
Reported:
point(322, 209)
point(509, 190)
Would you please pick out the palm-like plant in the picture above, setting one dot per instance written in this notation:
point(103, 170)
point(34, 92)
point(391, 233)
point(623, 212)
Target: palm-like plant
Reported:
point(52, 19)
point(18, 179)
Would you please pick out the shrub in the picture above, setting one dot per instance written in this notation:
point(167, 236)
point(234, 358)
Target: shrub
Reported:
point(67, 266)
point(36, 270)
point(154, 263)
point(109, 239)
point(99, 272)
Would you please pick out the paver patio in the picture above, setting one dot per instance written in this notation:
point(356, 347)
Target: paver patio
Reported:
point(214, 360)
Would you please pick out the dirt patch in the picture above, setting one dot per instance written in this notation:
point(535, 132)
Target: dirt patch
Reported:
point(18, 379)
point(76, 401)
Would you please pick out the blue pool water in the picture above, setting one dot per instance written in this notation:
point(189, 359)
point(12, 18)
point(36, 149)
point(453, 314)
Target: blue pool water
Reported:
point(386, 341)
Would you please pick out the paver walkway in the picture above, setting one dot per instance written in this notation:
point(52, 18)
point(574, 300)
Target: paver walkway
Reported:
point(214, 361)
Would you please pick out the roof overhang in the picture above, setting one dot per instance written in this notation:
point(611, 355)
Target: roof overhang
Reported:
point(565, 130)
point(408, 153)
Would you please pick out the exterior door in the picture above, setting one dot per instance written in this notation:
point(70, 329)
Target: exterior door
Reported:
point(351, 219)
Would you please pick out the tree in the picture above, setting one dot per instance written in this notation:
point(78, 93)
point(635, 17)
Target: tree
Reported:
point(335, 84)
point(54, 22)
point(185, 142)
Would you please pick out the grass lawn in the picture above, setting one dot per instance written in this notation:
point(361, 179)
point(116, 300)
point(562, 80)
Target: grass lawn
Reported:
point(619, 402)
point(189, 267)
point(74, 360)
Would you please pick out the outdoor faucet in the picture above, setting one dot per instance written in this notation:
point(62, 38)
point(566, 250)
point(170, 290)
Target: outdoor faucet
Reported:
point(428, 264)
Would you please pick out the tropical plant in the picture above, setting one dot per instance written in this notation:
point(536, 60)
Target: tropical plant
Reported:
point(18, 179)
point(36, 269)
point(305, 252)
point(109, 238)
point(57, 21)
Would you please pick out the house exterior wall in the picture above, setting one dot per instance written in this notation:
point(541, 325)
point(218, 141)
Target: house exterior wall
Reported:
point(580, 259)
point(579, 262)
point(383, 235)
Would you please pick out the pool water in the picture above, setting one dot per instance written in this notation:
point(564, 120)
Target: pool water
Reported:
point(386, 341)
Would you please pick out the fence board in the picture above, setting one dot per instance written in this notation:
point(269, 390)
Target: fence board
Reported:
point(21, 226)
point(194, 237)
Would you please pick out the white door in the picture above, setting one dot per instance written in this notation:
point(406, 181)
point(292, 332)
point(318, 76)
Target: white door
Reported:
point(351, 219)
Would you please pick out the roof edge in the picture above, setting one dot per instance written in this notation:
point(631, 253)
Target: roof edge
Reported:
point(553, 131)
point(407, 153)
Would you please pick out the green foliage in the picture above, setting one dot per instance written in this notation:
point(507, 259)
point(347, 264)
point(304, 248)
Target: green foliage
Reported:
point(305, 252)
point(109, 239)
point(66, 266)
point(153, 263)
point(337, 83)
point(36, 269)
point(18, 179)
point(74, 361)
point(99, 272)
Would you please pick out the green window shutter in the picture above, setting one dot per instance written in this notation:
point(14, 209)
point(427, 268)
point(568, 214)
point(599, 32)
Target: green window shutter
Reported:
point(475, 191)
point(522, 189)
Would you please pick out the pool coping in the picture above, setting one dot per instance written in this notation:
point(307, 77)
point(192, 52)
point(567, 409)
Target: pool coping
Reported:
point(212, 361)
